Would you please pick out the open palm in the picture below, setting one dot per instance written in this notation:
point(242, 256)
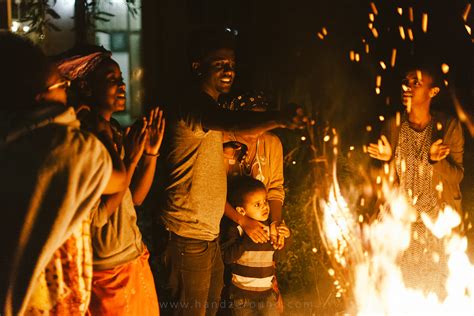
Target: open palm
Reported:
point(156, 130)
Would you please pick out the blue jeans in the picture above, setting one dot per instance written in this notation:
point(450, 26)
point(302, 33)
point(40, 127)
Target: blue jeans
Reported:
point(194, 271)
point(263, 306)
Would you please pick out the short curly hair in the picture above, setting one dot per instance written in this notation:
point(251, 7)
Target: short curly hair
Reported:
point(239, 187)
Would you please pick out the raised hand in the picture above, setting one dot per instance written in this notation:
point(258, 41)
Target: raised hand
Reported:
point(438, 151)
point(382, 150)
point(134, 141)
point(156, 130)
point(279, 231)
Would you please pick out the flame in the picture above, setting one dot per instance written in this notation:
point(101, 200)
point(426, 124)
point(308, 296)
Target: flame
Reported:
point(367, 257)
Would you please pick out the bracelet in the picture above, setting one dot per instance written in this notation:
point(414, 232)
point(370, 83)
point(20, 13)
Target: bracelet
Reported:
point(151, 155)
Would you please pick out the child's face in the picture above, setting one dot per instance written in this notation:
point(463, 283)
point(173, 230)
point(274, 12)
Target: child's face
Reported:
point(256, 205)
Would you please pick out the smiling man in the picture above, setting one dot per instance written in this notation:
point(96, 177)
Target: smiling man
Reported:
point(195, 188)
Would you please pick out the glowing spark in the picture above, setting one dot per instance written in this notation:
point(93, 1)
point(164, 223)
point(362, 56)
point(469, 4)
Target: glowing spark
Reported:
point(386, 168)
point(326, 138)
point(374, 8)
point(364, 149)
point(394, 57)
point(293, 162)
point(446, 82)
point(303, 138)
point(445, 68)
point(314, 250)
point(321, 36)
point(331, 272)
point(378, 81)
point(381, 118)
point(375, 33)
point(410, 34)
point(313, 122)
point(357, 57)
point(377, 90)
point(410, 14)
point(382, 64)
point(402, 32)
point(370, 25)
point(325, 31)
point(424, 22)
point(468, 29)
point(379, 179)
point(366, 48)
point(439, 127)
point(387, 100)
point(368, 128)
point(400, 11)
point(361, 218)
point(351, 148)
point(351, 55)
point(371, 17)
point(466, 12)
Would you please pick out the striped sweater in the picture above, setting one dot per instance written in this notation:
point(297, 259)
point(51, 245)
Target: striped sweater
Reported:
point(251, 264)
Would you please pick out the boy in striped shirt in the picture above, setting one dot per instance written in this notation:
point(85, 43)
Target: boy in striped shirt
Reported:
point(251, 265)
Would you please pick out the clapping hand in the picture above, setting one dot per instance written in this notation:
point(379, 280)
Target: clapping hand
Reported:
point(438, 151)
point(382, 150)
point(134, 141)
point(155, 132)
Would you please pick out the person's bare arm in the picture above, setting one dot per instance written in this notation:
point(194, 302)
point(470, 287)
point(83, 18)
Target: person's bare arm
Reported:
point(118, 179)
point(244, 121)
point(145, 173)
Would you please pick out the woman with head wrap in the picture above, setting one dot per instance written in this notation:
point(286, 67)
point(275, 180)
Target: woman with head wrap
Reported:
point(51, 175)
point(122, 280)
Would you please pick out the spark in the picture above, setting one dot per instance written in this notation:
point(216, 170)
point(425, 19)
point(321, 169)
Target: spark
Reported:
point(364, 149)
point(351, 148)
point(293, 162)
point(330, 271)
point(370, 25)
point(410, 14)
point(400, 11)
point(326, 138)
point(374, 8)
point(381, 118)
point(357, 57)
point(382, 64)
point(361, 218)
point(446, 82)
point(466, 12)
point(375, 33)
point(303, 138)
point(386, 168)
point(445, 68)
point(378, 81)
point(321, 36)
point(366, 48)
point(325, 31)
point(410, 34)
point(439, 126)
point(377, 90)
point(468, 28)
point(378, 180)
point(371, 17)
point(351, 55)
point(424, 22)
point(402, 32)
point(387, 100)
point(394, 57)
point(314, 250)
point(368, 128)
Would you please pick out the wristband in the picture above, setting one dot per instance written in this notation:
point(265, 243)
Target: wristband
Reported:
point(151, 155)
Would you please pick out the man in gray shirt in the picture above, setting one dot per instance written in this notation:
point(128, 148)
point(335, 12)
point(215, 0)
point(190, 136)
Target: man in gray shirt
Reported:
point(195, 188)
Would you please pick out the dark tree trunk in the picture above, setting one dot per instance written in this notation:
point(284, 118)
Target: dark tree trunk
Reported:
point(80, 22)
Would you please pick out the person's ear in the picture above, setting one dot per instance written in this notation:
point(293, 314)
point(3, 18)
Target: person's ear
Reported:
point(196, 68)
point(433, 92)
point(241, 210)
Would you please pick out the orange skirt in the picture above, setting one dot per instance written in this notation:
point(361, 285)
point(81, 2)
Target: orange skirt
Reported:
point(128, 289)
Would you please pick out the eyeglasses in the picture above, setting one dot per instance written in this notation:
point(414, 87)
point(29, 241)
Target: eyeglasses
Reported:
point(60, 85)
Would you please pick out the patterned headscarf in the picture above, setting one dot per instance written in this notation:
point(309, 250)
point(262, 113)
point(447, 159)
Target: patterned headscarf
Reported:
point(79, 66)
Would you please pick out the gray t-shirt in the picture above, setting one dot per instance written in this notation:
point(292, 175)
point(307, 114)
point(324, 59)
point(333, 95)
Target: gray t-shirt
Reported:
point(196, 187)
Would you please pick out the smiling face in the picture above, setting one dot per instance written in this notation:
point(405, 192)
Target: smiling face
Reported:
point(217, 71)
point(256, 205)
point(418, 89)
point(108, 88)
